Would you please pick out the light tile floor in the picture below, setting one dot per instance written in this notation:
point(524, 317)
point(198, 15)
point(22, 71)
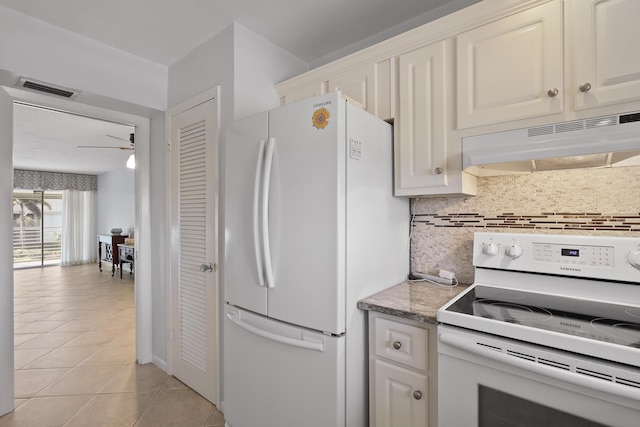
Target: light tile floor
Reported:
point(75, 357)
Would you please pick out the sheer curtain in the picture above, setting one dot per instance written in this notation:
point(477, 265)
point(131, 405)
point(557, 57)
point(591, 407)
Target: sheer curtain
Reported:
point(78, 227)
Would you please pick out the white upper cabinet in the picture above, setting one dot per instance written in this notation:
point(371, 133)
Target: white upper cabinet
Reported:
point(368, 85)
point(493, 66)
point(511, 68)
point(605, 52)
point(421, 140)
point(358, 86)
point(301, 92)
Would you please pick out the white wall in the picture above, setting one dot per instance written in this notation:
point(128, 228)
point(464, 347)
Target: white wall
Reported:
point(258, 66)
point(245, 66)
point(36, 49)
point(205, 67)
point(242, 63)
point(111, 82)
point(115, 201)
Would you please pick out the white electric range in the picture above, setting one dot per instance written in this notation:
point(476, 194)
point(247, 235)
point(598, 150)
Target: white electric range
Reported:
point(550, 327)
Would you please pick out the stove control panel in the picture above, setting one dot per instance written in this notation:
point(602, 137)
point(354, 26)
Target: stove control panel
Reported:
point(598, 257)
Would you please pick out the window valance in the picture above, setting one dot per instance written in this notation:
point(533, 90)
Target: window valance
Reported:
point(39, 180)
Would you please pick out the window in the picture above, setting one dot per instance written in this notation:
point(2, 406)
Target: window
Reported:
point(37, 228)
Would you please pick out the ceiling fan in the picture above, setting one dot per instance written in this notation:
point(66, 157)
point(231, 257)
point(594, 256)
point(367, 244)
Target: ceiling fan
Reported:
point(131, 142)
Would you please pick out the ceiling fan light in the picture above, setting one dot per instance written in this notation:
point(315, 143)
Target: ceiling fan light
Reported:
point(131, 161)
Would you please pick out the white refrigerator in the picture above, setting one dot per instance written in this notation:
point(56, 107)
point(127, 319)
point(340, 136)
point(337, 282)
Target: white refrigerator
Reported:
point(311, 227)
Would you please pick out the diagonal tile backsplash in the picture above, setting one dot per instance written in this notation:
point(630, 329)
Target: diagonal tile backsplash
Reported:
point(587, 201)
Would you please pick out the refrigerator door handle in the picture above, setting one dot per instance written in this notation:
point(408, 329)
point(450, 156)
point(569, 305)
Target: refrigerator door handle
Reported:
point(256, 214)
point(301, 343)
point(266, 247)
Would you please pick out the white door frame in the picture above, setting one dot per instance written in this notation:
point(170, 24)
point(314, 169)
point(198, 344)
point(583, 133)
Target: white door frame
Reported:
point(142, 213)
point(6, 261)
point(213, 93)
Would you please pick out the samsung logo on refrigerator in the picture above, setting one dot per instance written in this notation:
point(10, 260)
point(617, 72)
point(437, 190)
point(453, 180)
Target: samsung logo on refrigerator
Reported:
point(570, 269)
point(321, 104)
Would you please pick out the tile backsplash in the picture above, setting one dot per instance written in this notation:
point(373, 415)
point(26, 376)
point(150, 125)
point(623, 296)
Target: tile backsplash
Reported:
point(586, 201)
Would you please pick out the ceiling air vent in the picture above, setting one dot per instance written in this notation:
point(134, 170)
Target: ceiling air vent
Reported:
point(47, 88)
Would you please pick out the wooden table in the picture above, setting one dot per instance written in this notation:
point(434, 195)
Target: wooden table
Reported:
point(110, 253)
point(126, 255)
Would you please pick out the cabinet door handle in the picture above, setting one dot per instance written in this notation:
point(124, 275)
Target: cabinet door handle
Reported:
point(552, 92)
point(417, 395)
point(397, 345)
point(585, 87)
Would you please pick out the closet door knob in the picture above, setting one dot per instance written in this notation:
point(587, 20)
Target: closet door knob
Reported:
point(552, 92)
point(585, 87)
point(397, 345)
point(417, 395)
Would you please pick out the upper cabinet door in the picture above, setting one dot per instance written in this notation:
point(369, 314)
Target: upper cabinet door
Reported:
point(605, 45)
point(301, 92)
point(511, 68)
point(369, 86)
point(421, 142)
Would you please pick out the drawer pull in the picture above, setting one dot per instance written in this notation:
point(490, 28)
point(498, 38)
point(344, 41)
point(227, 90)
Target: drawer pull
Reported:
point(552, 93)
point(417, 395)
point(397, 345)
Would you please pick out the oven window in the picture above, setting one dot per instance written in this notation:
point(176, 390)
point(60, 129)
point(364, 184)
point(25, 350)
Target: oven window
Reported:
point(497, 408)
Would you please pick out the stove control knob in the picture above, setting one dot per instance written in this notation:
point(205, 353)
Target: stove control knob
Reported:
point(514, 251)
point(490, 249)
point(634, 259)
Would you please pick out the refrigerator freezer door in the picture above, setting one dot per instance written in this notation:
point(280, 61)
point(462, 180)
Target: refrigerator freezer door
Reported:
point(279, 375)
point(307, 214)
point(244, 263)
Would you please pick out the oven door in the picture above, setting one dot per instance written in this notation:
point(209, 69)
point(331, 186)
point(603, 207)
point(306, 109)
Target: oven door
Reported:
point(484, 381)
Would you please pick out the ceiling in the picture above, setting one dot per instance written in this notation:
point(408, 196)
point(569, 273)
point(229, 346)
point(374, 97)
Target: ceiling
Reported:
point(48, 140)
point(163, 31)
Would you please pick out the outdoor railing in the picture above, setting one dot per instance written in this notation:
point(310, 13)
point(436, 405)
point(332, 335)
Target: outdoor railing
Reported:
point(28, 245)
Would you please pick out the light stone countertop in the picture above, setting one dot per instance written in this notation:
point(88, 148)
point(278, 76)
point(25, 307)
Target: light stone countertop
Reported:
point(412, 300)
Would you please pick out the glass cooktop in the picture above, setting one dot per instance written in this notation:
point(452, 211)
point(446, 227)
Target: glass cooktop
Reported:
point(603, 321)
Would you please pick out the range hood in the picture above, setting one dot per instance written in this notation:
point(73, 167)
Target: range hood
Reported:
point(605, 141)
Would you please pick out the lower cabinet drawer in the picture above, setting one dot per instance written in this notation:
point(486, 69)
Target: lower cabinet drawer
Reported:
point(401, 343)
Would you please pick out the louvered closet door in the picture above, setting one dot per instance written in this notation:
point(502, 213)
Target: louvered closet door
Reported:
point(194, 215)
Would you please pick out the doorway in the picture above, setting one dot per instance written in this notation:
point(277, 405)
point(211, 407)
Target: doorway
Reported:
point(193, 205)
point(59, 150)
point(144, 254)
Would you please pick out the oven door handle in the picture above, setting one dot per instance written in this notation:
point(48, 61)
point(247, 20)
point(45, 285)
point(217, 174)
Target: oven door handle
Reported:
point(559, 374)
